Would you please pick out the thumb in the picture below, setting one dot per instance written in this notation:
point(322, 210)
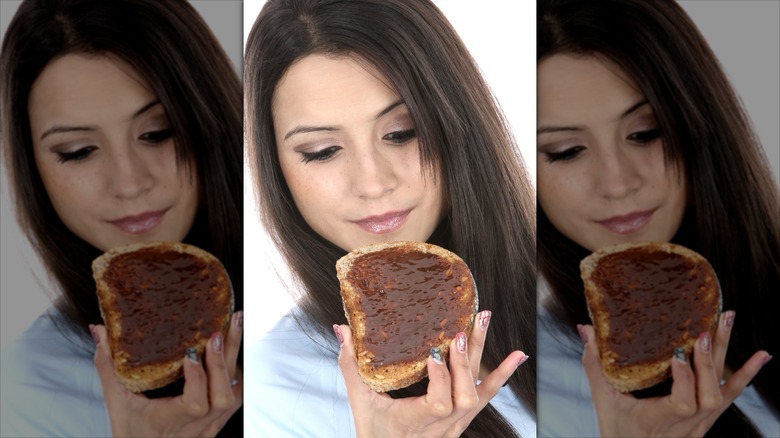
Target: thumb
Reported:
point(112, 388)
point(591, 361)
point(357, 390)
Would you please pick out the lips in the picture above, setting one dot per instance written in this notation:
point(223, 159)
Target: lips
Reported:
point(140, 223)
point(384, 223)
point(629, 223)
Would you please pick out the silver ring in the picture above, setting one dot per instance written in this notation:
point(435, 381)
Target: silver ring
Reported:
point(234, 382)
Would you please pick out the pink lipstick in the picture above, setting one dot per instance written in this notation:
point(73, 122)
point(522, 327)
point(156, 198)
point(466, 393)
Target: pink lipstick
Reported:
point(140, 223)
point(629, 223)
point(384, 223)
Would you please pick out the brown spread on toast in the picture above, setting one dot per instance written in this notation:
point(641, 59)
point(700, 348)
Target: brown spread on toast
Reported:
point(165, 301)
point(645, 295)
point(406, 297)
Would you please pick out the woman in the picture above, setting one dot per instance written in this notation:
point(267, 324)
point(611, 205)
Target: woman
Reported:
point(115, 133)
point(640, 137)
point(373, 124)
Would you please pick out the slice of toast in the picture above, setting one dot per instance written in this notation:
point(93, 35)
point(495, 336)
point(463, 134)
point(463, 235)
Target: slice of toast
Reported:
point(401, 300)
point(645, 300)
point(157, 300)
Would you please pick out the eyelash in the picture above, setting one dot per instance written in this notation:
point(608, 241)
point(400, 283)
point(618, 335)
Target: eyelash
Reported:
point(645, 137)
point(640, 137)
point(156, 137)
point(396, 137)
point(564, 155)
point(77, 155)
point(321, 155)
point(401, 137)
point(151, 137)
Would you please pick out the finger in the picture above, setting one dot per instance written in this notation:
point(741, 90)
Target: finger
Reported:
point(477, 342)
point(437, 403)
point(682, 400)
point(358, 391)
point(708, 394)
point(600, 387)
point(194, 401)
point(113, 390)
point(464, 392)
point(721, 342)
point(233, 343)
point(219, 381)
point(490, 386)
point(739, 380)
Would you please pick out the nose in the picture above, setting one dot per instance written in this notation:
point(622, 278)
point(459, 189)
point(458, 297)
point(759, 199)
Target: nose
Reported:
point(617, 174)
point(373, 175)
point(129, 175)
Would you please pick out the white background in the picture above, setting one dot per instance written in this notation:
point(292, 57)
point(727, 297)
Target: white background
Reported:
point(501, 36)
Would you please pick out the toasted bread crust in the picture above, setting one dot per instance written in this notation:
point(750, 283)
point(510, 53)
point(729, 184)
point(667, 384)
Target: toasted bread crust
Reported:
point(655, 366)
point(377, 374)
point(138, 377)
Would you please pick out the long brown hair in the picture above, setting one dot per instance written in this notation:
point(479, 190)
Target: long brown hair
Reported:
point(491, 220)
point(170, 46)
point(733, 212)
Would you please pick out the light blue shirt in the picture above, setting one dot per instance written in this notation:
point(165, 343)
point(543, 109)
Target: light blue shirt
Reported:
point(50, 386)
point(564, 403)
point(294, 387)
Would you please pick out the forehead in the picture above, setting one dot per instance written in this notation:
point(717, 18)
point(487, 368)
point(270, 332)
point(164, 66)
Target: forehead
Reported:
point(86, 89)
point(580, 89)
point(331, 89)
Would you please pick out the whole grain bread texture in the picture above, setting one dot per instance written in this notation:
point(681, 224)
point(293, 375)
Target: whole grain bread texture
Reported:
point(401, 300)
point(157, 300)
point(647, 299)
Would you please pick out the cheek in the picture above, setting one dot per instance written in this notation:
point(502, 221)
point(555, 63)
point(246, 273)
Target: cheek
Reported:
point(71, 192)
point(558, 194)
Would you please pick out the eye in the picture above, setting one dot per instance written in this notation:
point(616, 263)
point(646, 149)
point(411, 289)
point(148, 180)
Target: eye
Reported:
point(77, 155)
point(565, 155)
point(400, 137)
point(320, 155)
point(156, 137)
point(644, 137)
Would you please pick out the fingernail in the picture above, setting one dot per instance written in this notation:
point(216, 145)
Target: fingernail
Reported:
point(705, 341)
point(338, 333)
point(679, 354)
point(216, 342)
point(766, 360)
point(238, 319)
point(192, 354)
point(522, 359)
point(94, 334)
point(484, 319)
point(460, 342)
point(583, 335)
point(728, 318)
point(436, 355)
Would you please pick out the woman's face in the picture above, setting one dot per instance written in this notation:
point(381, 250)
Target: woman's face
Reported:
point(348, 150)
point(105, 152)
point(602, 179)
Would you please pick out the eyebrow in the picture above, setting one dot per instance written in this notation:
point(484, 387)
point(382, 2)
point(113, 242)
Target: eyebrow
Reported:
point(623, 115)
point(62, 129)
point(307, 129)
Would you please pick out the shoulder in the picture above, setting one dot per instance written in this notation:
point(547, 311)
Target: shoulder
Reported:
point(50, 385)
point(514, 411)
point(565, 407)
point(296, 371)
point(758, 411)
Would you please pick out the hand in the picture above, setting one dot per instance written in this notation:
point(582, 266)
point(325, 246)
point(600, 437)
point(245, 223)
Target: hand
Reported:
point(697, 398)
point(453, 398)
point(207, 403)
